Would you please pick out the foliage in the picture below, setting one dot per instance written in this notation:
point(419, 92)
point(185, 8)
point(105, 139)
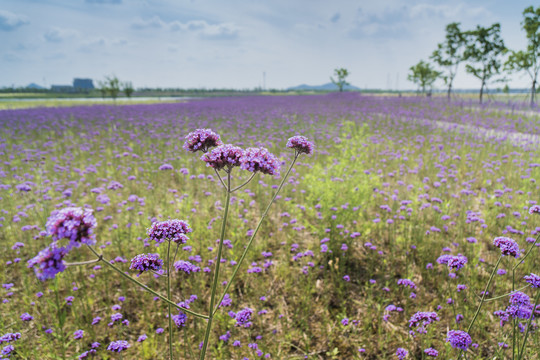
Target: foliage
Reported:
point(127, 88)
point(449, 54)
point(528, 60)
point(423, 75)
point(112, 86)
point(483, 52)
point(340, 76)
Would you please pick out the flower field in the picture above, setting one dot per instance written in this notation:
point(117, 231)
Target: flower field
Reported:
point(409, 232)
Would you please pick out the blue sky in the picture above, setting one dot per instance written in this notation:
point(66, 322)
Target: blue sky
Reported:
point(230, 43)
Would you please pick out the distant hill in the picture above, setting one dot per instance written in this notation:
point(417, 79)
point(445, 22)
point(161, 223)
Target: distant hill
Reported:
point(325, 87)
point(35, 86)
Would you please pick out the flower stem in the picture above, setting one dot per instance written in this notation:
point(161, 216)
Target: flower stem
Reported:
point(244, 184)
point(484, 295)
point(145, 287)
point(528, 252)
point(216, 271)
point(169, 297)
point(529, 326)
point(501, 296)
point(253, 236)
point(83, 262)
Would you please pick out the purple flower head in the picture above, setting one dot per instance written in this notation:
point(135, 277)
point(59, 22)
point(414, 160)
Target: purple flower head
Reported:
point(223, 157)
point(166, 167)
point(78, 334)
point(407, 282)
point(172, 230)
point(456, 262)
point(27, 317)
point(186, 266)
point(507, 246)
point(431, 352)
point(401, 353)
point(142, 338)
point(535, 209)
point(118, 346)
point(243, 317)
point(201, 140)
point(533, 279)
point(146, 262)
point(9, 337)
point(443, 259)
point(459, 339)
point(48, 262)
point(180, 319)
point(6, 351)
point(301, 144)
point(260, 159)
point(422, 319)
point(74, 224)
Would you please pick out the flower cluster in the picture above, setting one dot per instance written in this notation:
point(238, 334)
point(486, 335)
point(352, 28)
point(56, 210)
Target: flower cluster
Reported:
point(535, 209)
point(186, 266)
point(172, 230)
point(533, 279)
point(507, 246)
point(422, 319)
point(456, 262)
point(301, 144)
point(48, 262)
point(9, 337)
point(201, 140)
point(459, 339)
point(243, 317)
point(146, 262)
point(118, 346)
point(401, 353)
point(74, 224)
point(180, 319)
point(223, 157)
point(260, 159)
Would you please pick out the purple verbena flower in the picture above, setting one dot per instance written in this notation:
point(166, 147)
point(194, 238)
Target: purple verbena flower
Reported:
point(457, 262)
point(74, 224)
point(223, 157)
point(459, 339)
point(243, 317)
point(260, 159)
point(431, 352)
point(422, 319)
point(407, 283)
point(78, 334)
point(166, 167)
point(48, 262)
point(173, 230)
point(180, 319)
point(9, 337)
point(27, 317)
point(535, 209)
point(118, 346)
point(186, 266)
point(507, 246)
point(401, 353)
point(300, 144)
point(146, 262)
point(533, 279)
point(201, 140)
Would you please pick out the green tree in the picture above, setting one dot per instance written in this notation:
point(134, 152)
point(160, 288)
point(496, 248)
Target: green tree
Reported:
point(484, 51)
point(112, 86)
point(450, 53)
point(423, 75)
point(340, 74)
point(127, 88)
point(529, 60)
point(102, 88)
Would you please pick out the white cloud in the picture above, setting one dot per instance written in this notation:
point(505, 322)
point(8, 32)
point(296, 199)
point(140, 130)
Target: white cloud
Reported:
point(58, 35)
point(10, 21)
point(225, 30)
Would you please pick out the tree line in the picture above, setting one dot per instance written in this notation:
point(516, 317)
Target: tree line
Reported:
point(484, 54)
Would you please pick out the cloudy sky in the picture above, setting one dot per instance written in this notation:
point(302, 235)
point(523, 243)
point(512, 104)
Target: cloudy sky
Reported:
point(230, 43)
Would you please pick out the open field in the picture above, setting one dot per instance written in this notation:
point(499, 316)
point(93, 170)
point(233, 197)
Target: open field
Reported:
point(347, 255)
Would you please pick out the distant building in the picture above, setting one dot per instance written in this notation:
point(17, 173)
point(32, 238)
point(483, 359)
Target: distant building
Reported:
point(83, 84)
point(79, 86)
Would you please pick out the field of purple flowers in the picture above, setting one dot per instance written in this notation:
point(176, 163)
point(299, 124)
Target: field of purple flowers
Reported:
point(413, 220)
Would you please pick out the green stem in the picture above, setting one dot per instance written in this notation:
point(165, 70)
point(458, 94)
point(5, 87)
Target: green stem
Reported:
point(83, 262)
point(169, 297)
point(216, 271)
point(514, 320)
point(484, 295)
point(146, 287)
point(244, 184)
point(529, 326)
point(253, 236)
point(501, 296)
point(528, 252)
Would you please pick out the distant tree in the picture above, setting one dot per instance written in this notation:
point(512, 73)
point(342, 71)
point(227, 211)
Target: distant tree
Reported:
point(113, 86)
point(484, 50)
point(102, 87)
point(450, 53)
point(529, 60)
point(423, 75)
point(340, 74)
point(127, 88)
